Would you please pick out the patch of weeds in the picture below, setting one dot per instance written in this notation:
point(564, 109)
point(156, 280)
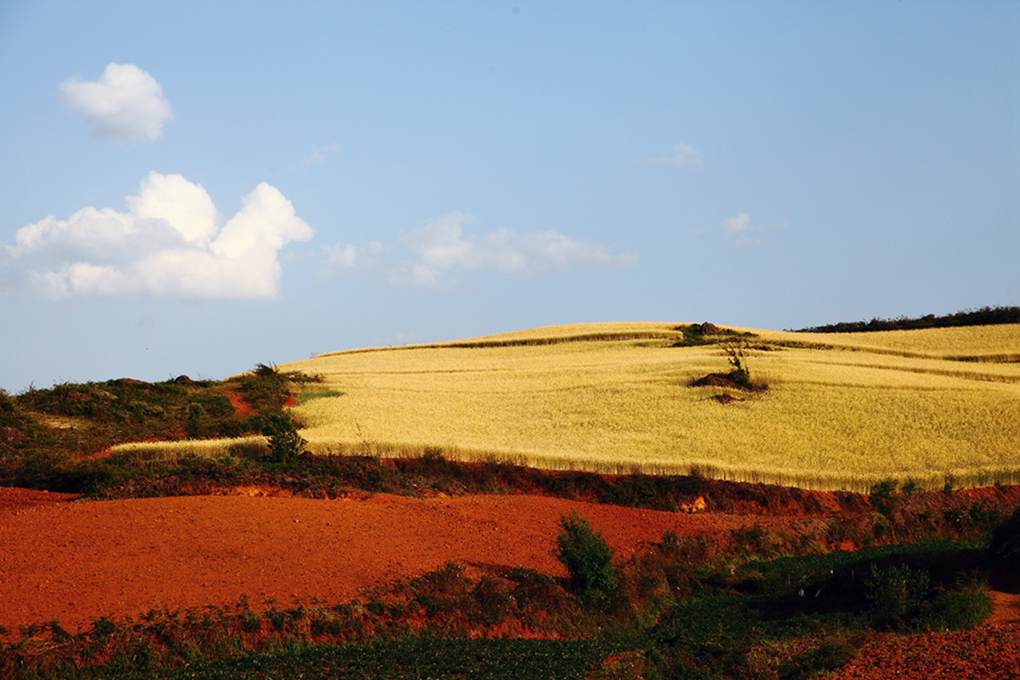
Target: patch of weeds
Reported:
point(277, 619)
point(251, 622)
point(895, 593)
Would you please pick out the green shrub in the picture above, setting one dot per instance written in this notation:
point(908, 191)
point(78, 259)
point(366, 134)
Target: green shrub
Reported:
point(493, 598)
point(752, 540)
point(589, 560)
point(193, 425)
point(285, 444)
point(6, 403)
point(103, 627)
point(883, 496)
point(251, 622)
point(895, 594)
point(277, 619)
point(1005, 545)
point(739, 373)
point(956, 609)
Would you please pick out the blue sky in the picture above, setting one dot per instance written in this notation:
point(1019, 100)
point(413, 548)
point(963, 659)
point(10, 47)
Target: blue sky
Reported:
point(398, 172)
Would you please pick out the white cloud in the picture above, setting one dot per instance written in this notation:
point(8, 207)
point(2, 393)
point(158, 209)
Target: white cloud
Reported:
point(739, 224)
point(346, 256)
point(125, 103)
point(680, 156)
point(440, 248)
point(319, 155)
point(166, 243)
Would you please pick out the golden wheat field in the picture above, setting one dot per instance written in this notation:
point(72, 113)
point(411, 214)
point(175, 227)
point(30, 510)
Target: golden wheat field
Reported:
point(840, 411)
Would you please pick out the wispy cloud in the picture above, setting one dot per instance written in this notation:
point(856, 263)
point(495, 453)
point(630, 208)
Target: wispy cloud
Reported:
point(739, 224)
point(742, 230)
point(319, 154)
point(124, 103)
point(347, 256)
point(428, 256)
point(168, 242)
point(679, 156)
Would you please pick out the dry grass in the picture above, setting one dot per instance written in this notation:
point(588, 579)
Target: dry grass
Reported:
point(614, 398)
point(172, 450)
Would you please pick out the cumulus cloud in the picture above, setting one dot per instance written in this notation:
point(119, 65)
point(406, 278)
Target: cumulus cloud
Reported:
point(441, 247)
point(124, 103)
point(167, 242)
point(680, 156)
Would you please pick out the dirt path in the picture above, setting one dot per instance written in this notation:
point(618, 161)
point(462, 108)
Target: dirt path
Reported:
point(74, 562)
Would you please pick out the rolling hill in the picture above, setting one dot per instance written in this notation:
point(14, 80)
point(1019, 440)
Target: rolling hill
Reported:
point(842, 410)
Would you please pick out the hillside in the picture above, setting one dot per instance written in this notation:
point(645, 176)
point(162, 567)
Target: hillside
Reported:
point(841, 410)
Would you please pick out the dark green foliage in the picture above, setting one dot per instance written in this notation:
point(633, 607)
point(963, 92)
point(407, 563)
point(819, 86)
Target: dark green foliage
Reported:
point(6, 406)
point(58, 633)
point(1005, 544)
point(277, 619)
point(251, 622)
point(707, 334)
point(956, 609)
point(442, 591)
point(895, 593)
point(752, 540)
point(285, 444)
point(103, 627)
point(831, 654)
point(883, 497)
point(405, 659)
point(493, 596)
point(193, 426)
point(589, 560)
point(968, 317)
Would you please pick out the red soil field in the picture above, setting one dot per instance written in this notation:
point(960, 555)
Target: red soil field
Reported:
point(991, 652)
point(75, 562)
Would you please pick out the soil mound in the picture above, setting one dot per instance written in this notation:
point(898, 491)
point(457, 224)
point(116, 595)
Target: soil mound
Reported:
point(718, 380)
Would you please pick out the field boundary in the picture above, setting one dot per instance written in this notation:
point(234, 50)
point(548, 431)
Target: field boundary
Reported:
point(518, 342)
point(960, 478)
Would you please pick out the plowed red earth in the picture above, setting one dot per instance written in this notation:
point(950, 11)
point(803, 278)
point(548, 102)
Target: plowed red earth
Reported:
point(991, 652)
point(74, 562)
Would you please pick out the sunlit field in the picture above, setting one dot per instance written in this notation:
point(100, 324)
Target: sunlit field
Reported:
point(843, 416)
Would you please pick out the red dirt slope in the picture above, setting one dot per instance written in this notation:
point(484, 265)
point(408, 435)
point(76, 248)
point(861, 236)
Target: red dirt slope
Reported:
point(75, 562)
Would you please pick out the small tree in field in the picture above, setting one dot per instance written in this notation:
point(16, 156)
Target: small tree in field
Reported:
point(739, 371)
point(588, 558)
point(285, 444)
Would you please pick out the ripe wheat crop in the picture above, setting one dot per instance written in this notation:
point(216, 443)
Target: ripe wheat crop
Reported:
point(841, 410)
